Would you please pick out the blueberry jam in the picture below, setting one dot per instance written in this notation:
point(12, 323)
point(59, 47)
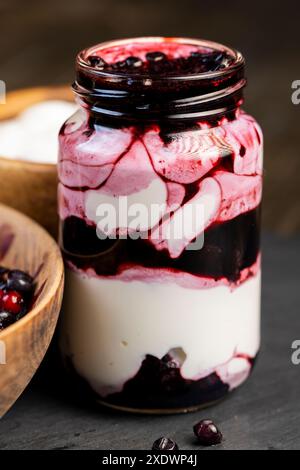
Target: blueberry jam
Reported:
point(162, 307)
point(16, 293)
point(229, 248)
point(157, 62)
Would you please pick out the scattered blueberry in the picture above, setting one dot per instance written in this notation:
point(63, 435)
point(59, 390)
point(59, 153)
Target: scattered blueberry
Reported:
point(19, 281)
point(207, 433)
point(164, 443)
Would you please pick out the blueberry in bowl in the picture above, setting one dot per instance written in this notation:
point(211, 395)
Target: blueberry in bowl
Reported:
point(16, 295)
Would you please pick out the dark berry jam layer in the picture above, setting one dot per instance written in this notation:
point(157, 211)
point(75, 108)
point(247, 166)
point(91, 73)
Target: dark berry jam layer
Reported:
point(160, 385)
point(228, 248)
point(16, 295)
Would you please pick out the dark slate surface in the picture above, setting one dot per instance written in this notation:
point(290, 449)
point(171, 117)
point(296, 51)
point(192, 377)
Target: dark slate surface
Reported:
point(263, 414)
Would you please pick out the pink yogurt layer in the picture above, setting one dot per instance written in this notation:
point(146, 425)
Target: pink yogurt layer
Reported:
point(102, 166)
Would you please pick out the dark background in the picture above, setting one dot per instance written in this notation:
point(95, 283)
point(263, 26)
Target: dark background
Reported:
point(39, 41)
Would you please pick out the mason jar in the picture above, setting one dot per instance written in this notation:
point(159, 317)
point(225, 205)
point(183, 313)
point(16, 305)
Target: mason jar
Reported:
point(160, 188)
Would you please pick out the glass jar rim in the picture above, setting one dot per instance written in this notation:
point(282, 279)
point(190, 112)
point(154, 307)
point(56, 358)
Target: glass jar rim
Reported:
point(153, 96)
point(238, 61)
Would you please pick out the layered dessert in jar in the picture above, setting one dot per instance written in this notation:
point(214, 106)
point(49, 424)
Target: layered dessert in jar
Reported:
point(159, 202)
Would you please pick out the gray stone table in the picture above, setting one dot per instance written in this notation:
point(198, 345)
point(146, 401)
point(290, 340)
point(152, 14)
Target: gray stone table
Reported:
point(263, 414)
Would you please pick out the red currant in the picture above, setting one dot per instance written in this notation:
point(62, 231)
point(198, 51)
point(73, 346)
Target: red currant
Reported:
point(12, 302)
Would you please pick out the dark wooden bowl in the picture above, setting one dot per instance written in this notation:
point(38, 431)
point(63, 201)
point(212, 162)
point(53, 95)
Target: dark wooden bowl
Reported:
point(27, 246)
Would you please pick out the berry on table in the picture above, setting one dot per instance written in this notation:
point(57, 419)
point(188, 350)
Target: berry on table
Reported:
point(207, 433)
point(164, 443)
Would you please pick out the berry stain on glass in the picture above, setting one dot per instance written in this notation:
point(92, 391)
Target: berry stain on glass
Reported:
point(150, 325)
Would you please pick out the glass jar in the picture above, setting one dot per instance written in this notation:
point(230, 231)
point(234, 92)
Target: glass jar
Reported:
point(159, 201)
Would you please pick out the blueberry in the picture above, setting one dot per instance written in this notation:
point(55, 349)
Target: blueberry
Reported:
point(3, 273)
point(6, 319)
point(218, 57)
point(156, 57)
point(164, 443)
point(207, 62)
point(196, 55)
point(19, 281)
point(134, 62)
point(121, 65)
point(221, 61)
point(96, 61)
point(170, 377)
point(22, 313)
point(215, 57)
point(207, 433)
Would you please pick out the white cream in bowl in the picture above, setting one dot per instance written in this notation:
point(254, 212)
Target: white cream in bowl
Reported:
point(33, 135)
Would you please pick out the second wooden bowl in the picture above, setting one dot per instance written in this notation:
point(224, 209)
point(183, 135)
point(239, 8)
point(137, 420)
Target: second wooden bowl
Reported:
point(28, 186)
point(27, 246)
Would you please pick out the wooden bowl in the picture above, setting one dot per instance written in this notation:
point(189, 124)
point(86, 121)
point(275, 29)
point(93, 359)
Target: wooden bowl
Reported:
point(27, 246)
point(28, 186)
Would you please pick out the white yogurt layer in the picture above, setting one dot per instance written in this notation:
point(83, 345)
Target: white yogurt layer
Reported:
point(33, 135)
point(110, 325)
